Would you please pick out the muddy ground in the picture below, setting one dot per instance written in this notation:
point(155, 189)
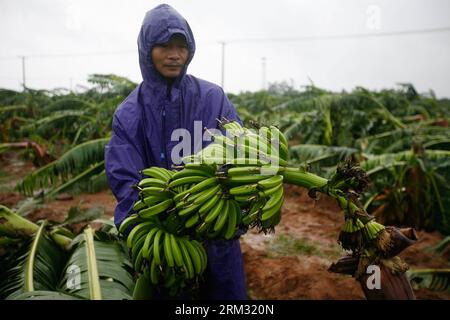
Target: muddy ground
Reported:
point(291, 263)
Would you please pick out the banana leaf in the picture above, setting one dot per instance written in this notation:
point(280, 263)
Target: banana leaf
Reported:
point(374, 161)
point(74, 162)
point(45, 295)
point(310, 153)
point(104, 269)
point(84, 176)
point(56, 119)
point(70, 103)
point(13, 225)
point(433, 279)
point(441, 246)
point(37, 266)
point(298, 124)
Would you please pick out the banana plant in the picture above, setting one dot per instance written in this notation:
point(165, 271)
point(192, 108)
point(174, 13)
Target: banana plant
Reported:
point(433, 279)
point(44, 264)
point(411, 188)
point(79, 164)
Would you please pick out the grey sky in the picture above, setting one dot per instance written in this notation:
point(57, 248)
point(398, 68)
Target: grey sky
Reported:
point(99, 26)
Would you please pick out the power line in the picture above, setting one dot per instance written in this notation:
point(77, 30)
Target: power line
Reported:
point(68, 55)
point(326, 37)
point(341, 36)
point(237, 40)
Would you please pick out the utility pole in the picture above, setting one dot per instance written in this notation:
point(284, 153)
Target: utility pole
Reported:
point(23, 73)
point(223, 65)
point(263, 73)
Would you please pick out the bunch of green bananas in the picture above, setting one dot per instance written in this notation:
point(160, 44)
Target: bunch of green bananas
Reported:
point(162, 256)
point(243, 146)
point(235, 182)
point(210, 198)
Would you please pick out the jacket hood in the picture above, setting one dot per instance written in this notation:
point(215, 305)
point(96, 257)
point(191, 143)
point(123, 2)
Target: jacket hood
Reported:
point(158, 26)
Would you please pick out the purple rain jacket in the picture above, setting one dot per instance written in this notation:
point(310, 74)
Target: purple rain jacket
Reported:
point(141, 137)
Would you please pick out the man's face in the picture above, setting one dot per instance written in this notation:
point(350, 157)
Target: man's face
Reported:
point(169, 58)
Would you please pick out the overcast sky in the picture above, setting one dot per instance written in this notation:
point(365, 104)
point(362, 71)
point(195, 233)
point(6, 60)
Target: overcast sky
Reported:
point(40, 28)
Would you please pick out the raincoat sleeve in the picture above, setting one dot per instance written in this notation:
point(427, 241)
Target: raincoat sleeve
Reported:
point(123, 163)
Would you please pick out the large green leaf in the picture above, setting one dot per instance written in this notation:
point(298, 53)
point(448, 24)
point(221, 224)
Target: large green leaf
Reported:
point(434, 279)
point(374, 161)
point(310, 153)
point(102, 265)
point(74, 162)
point(45, 295)
point(13, 225)
point(441, 246)
point(38, 266)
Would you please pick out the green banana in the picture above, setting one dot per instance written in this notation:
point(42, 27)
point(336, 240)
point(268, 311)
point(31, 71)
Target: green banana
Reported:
point(201, 167)
point(272, 221)
point(244, 189)
point(273, 200)
point(251, 178)
point(271, 211)
point(188, 264)
point(214, 212)
point(148, 242)
point(269, 192)
point(232, 220)
point(154, 272)
point(202, 253)
point(188, 210)
point(155, 209)
point(243, 171)
point(157, 173)
point(245, 198)
point(207, 194)
point(128, 221)
point(152, 200)
point(155, 191)
point(137, 231)
point(254, 212)
point(151, 182)
point(185, 180)
point(223, 215)
point(202, 228)
point(176, 251)
point(276, 133)
point(209, 204)
point(137, 247)
point(271, 182)
point(196, 259)
point(190, 173)
point(168, 250)
point(181, 196)
point(265, 134)
point(203, 185)
point(138, 205)
point(138, 261)
point(156, 247)
point(192, 221)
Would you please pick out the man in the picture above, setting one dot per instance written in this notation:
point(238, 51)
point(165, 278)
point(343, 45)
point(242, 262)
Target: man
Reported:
point(169, 99)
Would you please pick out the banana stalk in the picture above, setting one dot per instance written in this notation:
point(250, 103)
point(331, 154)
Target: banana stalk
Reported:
point(13, 225)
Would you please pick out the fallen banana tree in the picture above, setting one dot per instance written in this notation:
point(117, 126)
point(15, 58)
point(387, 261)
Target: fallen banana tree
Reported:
point(44, 262)
point(237, 183)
